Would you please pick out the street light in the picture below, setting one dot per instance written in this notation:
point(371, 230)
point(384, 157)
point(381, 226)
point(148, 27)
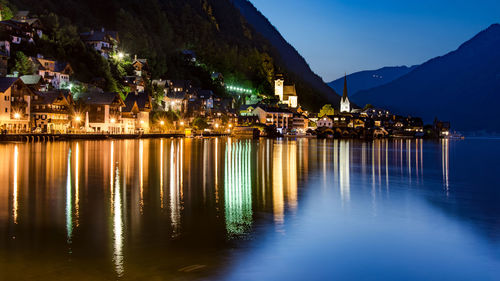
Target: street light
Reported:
point(113, 120)
point(182, 123)
point(78, 119)
point(230, 125)
point(162, 122)
point(17, 116)
point(120, 55)
point(216, 126)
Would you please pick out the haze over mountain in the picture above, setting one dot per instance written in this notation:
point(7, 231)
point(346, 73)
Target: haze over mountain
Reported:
point(462, 86)
point(368, 79)
point(289, 56)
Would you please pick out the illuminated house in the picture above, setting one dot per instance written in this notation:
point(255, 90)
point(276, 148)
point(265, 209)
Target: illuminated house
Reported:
point(140, 66)
point(15, 98)
point(179, 86)
point(207, 99)
point(51, 111)
point(175, 101)
point(103, 112)
point(247, 109)
point(53, 72)
point(300, 123)
point(34, 24)
point(21, 28)
point(104, 41)
point(287, 94)
point(325, 122)
point(137, 107)
point(282, 119)
point(135, 83)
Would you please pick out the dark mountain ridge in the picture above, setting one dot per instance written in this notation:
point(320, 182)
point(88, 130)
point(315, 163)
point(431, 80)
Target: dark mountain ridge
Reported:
point(368, 79)
point(221, 36)
point(288, 55)
point(462, 86)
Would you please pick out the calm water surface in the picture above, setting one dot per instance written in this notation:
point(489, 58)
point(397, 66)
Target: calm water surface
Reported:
point(227, 209)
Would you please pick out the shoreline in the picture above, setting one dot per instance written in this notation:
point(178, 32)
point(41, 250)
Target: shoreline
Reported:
point(69, 137)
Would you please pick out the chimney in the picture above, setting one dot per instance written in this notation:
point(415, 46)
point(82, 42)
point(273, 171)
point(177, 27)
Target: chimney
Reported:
point(135, 57)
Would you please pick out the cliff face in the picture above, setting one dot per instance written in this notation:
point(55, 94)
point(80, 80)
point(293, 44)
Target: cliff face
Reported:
point(462, 86)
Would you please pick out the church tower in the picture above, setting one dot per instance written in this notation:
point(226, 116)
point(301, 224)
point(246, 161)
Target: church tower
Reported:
point(345, 105)
point(279, 83)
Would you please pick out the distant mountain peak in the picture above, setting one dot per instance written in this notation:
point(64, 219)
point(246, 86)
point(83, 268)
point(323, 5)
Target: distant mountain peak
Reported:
point(462, 86)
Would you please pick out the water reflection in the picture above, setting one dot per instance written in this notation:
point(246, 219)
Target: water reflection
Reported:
point(15, 185)
point(168, 201)
point(277, 187)
point(445, 163)
point(118, 225)
point(344, 167)
point(77, 184)
point(238, 187)
point(69, 203)
point(175, 187)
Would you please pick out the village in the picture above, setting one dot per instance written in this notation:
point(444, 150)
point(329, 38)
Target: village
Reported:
point(49, 100)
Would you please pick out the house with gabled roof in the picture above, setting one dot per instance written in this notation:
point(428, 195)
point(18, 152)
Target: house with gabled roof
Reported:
point(35, 82)
point(54, 72)
point(103, 41)
point(136, 110)
point(52, 111)
point(103, 111)
point(175, 101)
point(15, 99)
point(140, 66)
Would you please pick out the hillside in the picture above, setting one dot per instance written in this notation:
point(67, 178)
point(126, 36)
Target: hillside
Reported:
point(462, 86)
point(368, 79)
point(288, 56)
point(159, 29)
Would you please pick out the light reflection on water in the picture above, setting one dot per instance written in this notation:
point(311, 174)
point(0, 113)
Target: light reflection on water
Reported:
point(156, 200)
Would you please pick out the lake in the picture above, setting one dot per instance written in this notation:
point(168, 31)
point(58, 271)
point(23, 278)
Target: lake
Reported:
point(233, 209)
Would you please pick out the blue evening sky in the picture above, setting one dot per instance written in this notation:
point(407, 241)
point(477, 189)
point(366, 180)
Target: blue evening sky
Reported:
point(337, 36)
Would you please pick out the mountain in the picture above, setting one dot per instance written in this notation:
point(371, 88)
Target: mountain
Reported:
point(222, 37)
point(462, 87)
point(368, 79)
point(288, 55)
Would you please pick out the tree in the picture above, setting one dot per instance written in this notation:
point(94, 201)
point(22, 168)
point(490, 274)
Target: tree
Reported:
point(23, 65)
point(327, 109)
point(6, 12)
point(368, 106)
point(200, 123)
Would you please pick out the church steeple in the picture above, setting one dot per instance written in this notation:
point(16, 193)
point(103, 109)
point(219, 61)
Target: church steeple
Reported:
point(345, 105)
point(344, 96)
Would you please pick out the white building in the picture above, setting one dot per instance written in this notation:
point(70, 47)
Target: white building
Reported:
point(287, 94)
point(345, 105)
point(15, 103)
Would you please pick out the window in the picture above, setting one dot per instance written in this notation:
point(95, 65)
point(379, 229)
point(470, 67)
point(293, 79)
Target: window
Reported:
point(98, 108)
